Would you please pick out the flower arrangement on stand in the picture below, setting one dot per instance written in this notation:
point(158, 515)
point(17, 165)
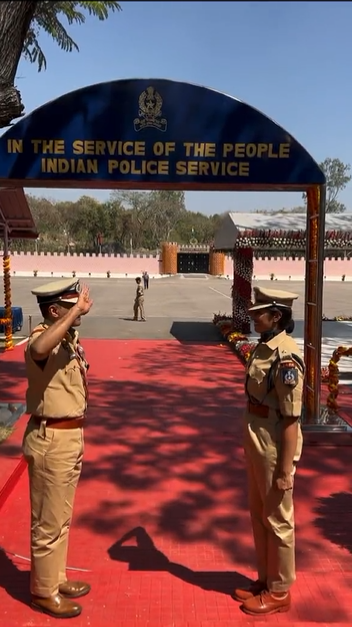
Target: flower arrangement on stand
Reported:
point(225, 326)
point(331, 377)
point(244, 348)
point(220, 317)
point(237, 340)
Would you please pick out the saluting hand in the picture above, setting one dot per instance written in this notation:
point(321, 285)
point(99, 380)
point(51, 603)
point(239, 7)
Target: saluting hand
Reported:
point(84, 302)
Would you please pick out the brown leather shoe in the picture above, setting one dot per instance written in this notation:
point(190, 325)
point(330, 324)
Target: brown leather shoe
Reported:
point(74, 589)
point(56, 606)
point(267, 603)
point(242, 594)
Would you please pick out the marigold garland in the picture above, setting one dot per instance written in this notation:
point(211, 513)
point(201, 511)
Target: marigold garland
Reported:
point(242, 346)
point(7, 321)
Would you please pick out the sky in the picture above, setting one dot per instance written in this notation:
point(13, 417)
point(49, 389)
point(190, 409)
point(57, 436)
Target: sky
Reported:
point(291, 60)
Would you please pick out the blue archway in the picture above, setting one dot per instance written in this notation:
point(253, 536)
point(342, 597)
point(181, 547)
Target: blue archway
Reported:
point(163, 134)
point(153, 133)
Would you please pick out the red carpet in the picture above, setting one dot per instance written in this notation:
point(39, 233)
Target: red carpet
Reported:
point(164, 464)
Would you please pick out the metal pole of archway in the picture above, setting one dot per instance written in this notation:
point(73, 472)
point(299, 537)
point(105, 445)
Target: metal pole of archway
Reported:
point(315, 239)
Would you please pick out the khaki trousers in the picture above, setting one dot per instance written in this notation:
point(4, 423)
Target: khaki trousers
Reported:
point(271, 511)
point(138, 308)
point(54, 458)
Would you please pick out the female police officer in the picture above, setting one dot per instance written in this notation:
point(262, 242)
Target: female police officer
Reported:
point(273, 445)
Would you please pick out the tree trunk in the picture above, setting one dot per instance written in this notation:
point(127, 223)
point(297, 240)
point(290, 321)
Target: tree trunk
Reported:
point(15, 19)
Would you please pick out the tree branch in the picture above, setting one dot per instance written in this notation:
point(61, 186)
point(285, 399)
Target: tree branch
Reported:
point(15, 18)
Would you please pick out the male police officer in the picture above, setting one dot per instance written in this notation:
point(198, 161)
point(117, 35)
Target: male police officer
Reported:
point(138, 307)
point(53, 441)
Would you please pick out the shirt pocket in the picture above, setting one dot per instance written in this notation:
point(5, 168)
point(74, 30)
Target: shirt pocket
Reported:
point(72, 373)
point(256, 373)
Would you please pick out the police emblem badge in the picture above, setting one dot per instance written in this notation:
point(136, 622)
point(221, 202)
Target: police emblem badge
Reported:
point(150, 111)
point(289, 373)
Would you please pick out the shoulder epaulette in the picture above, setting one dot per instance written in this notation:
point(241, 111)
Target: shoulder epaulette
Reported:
point(284, 355)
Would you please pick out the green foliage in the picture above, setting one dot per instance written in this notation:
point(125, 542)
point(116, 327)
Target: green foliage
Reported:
point(337, 176)
point(138, 220)
point(50, 17)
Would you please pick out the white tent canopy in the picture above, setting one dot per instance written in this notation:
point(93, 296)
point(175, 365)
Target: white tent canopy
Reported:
point(234, 223)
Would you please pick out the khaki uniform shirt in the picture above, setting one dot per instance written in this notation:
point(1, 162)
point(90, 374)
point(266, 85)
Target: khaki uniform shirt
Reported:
point(57, 388)
point(140, 293)
point(275, 376)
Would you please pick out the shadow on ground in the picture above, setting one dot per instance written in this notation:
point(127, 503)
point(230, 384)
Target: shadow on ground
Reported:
point(189, 331)
point(164, 454)
point(144, 556)
point(171, 447)
point(14, 580)
point(334, 518)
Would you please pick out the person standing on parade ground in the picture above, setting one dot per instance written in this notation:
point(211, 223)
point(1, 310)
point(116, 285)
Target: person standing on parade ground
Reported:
point(138, 306)
point(57, 397)
point(146, 280)
point(273, 446)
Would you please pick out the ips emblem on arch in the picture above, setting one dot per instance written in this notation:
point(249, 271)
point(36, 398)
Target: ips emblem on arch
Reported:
point(150, 111)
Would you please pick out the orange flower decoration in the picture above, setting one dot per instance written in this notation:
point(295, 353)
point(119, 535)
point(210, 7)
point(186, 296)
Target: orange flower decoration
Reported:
point(333, 378)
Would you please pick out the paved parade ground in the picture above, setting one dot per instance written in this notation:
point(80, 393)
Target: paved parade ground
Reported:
point(161, 528)
point(182, 307)
point(169, 300)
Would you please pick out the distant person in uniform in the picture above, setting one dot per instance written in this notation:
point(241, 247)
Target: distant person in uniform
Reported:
point(273, 446)
point(146, 280)
point(138, 307)
point(53, 442)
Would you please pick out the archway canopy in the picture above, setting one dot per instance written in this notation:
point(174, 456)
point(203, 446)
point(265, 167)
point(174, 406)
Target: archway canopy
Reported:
point(153, 134)
point(15, 215)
